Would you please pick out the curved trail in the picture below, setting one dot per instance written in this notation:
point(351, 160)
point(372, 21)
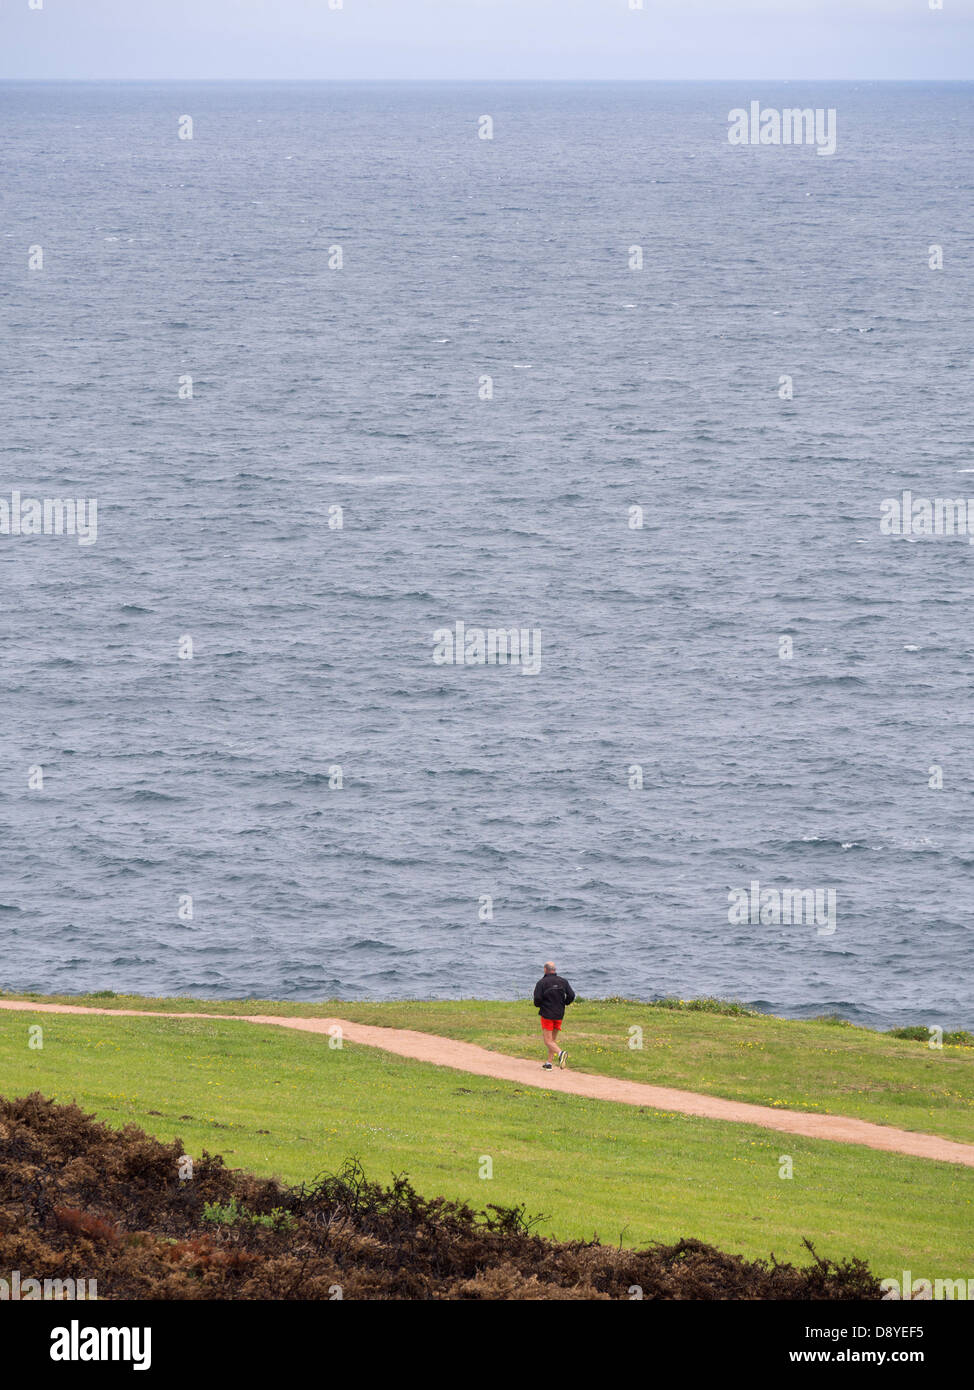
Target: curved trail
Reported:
point(461, 1056)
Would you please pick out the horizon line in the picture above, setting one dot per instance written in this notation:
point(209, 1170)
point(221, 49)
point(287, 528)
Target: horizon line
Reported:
point(459, 81)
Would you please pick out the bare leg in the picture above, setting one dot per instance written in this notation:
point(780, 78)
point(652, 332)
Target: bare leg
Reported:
point(549, 1036)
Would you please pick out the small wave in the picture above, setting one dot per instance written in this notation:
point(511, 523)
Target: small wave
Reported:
point(820, 842)
point(378, 480)
point(835, 680)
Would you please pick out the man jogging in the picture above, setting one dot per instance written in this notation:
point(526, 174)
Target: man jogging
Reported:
point(551, 994)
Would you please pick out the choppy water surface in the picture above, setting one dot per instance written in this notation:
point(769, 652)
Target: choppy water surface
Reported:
point(361, 388)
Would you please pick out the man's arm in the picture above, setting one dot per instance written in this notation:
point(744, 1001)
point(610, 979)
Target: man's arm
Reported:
point(569, 994)
point(537, 994)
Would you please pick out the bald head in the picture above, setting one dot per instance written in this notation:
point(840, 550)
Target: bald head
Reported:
point(549, 967)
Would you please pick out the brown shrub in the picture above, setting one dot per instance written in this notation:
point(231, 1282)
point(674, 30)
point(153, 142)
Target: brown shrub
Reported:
point(82, 1200)
point(85, 1223)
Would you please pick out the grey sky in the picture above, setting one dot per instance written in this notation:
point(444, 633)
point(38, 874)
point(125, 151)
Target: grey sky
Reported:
point(486, 39)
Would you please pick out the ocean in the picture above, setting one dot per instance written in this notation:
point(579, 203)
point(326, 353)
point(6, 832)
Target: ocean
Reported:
point(341, 373)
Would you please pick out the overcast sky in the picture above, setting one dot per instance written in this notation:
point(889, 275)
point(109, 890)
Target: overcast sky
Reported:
point(486, 39)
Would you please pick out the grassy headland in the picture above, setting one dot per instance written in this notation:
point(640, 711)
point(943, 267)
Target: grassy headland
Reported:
point(718, 1048)
point(287, 1105)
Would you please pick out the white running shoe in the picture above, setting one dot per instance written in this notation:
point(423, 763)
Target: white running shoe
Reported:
point(562, 1058)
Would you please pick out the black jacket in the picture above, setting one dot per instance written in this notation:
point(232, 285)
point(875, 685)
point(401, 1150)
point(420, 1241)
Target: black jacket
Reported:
point(551, 994)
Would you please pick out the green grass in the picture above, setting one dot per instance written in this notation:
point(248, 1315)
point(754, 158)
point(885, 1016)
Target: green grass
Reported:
point(704, 1046)
point(287, 1104)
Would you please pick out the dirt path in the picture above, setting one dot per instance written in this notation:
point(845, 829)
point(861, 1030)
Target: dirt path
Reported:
point(461, 1056)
